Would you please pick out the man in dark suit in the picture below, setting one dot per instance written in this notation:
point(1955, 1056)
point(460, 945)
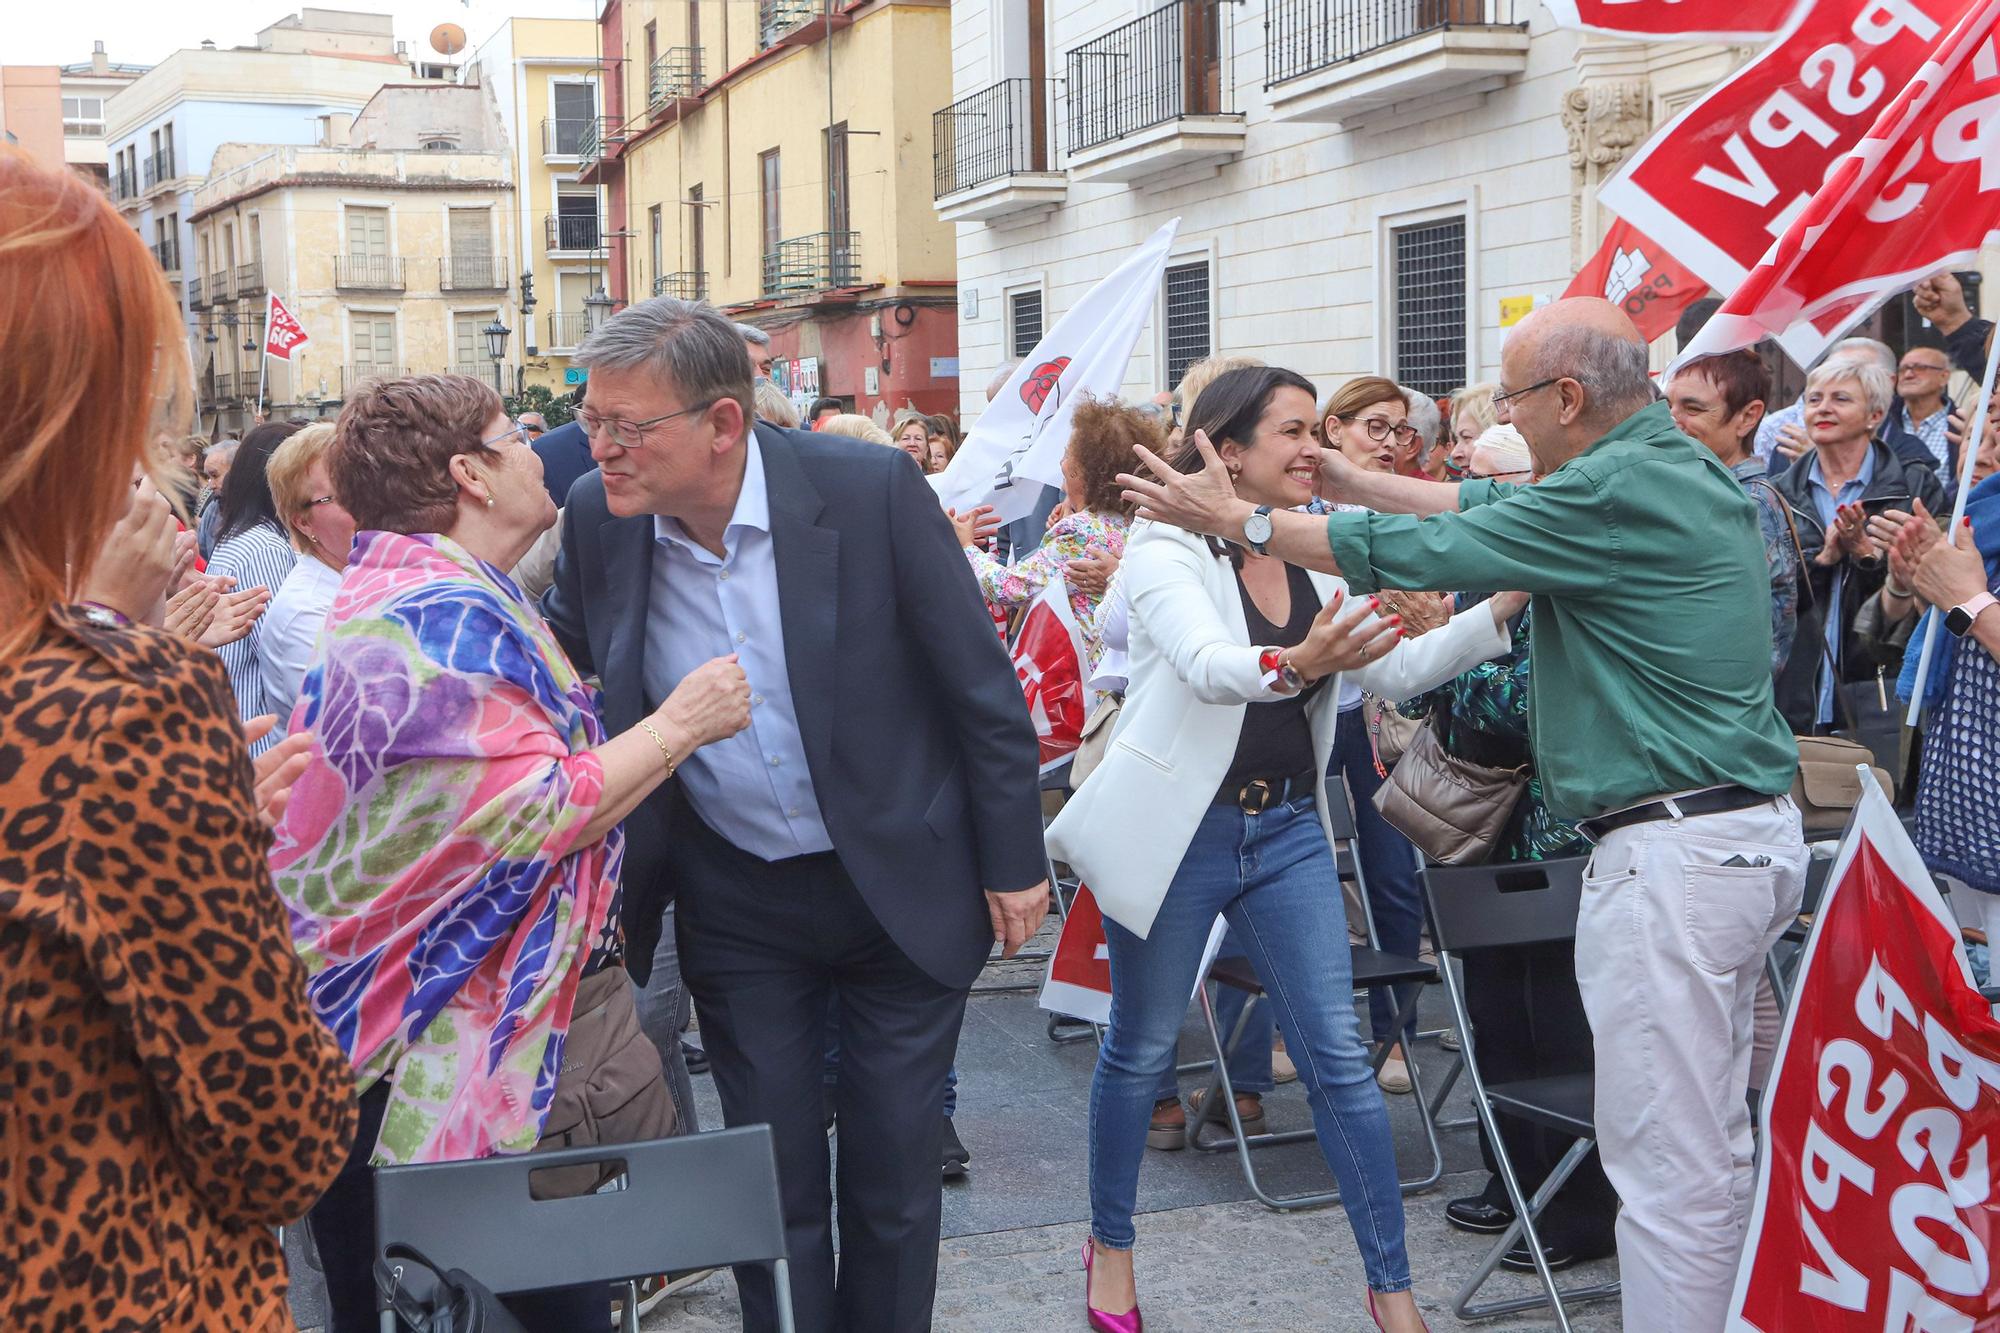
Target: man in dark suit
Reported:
point(870, 835)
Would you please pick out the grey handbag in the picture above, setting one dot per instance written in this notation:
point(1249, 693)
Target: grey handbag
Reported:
point(1453, 809)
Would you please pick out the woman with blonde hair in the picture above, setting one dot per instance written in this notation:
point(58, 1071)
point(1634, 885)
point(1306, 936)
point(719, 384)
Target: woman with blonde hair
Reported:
point(174, 1098)
point(1472, 412)
point(857, 427)
point(912, 434)
point(774, 407)
point(322, 532)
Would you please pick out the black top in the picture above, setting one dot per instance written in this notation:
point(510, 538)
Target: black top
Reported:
point(1276, 740)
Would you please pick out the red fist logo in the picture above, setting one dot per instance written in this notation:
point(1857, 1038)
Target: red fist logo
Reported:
point(1035, 390)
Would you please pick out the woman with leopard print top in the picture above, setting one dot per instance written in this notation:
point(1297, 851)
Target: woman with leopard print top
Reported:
point(168, 1096)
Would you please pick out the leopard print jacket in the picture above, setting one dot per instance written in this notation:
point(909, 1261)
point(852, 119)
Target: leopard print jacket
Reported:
point(168, 1095)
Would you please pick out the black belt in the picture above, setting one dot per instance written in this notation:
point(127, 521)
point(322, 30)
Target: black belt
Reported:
point(1714, 801)
point(1260, 794)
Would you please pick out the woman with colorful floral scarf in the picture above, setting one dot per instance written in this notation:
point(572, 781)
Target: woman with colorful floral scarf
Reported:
point(450, 855)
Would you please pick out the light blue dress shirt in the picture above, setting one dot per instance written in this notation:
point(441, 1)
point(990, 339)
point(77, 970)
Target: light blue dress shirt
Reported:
point(1826, 502)
point(754, 788)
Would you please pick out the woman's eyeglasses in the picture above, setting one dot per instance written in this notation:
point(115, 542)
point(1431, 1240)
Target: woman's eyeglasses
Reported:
point(1381, 428)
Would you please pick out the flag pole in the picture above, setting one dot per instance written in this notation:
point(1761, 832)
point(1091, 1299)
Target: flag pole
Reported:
point(1975, 434)
point(263, 355)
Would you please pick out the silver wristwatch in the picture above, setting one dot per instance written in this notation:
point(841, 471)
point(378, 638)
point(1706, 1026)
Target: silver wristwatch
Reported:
point(1257, 529)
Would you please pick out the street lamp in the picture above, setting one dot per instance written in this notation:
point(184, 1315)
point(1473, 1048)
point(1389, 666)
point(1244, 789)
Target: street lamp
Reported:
point(596, 309)
point(496, 347)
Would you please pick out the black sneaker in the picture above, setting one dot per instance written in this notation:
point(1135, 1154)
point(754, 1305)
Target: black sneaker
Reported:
point(1478, 1216)
point(956, 1155)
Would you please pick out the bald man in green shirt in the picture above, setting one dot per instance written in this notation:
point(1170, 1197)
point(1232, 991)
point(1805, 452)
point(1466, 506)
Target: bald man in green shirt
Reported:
point(1653, 727)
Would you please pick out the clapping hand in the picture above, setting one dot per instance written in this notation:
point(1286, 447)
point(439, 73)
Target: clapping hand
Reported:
point(137, 565)
point(975, 525)
point(235, 613)
point(1946, 574)
point(277, 768)
point(1846, 537)
point(1793, 442)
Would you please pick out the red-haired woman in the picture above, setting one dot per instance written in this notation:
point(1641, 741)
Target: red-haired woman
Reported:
point(174, 1098)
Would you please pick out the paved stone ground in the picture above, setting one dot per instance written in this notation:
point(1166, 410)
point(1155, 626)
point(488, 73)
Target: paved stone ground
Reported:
point(1209, 1256)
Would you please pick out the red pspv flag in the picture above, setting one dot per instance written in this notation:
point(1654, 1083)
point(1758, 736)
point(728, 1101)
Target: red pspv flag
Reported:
point(1048, 659)
point(1638, 274)
point(1919, 193)
point(283, 334)
point(1675, 20)
point(1876, 1205)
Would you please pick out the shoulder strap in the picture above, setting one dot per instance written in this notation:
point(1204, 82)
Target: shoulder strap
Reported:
point(1804, 578)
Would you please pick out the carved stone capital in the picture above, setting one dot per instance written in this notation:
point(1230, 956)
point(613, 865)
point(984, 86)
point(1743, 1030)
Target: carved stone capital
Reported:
point(1604, 119)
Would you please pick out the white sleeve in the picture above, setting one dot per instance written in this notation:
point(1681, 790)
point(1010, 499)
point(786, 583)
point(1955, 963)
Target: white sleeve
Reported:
point(1426, 662)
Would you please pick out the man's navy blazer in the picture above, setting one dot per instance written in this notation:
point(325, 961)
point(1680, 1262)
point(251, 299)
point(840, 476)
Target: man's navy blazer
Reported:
point(920, 747)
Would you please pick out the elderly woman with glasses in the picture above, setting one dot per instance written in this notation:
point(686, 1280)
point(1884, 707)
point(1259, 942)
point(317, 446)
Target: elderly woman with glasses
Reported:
point(321, 532)
point(451, 854)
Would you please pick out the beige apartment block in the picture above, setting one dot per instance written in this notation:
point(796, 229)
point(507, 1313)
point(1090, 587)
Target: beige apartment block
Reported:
point(543, 76)
point(396, 250)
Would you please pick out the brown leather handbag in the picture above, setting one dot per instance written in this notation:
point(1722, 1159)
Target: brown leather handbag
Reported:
point(610, 1089)
point(1454, 810)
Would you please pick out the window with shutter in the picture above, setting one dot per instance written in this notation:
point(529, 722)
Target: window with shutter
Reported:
point(1024, 322)
point(1187, 322)
point(1429, 277)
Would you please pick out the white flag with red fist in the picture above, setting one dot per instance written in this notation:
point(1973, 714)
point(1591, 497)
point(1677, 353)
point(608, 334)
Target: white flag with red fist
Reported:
point(283, 334)
point(1919, 193)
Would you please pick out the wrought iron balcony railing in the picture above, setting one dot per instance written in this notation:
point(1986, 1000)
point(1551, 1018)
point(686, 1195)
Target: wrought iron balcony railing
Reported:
point(997, 132)
point(378, 273)
point(777, 18)
point(1168, 65)
point(566, 330)
point(225, 386)
point(472, 273)
point(573, 231)
point(685, 286)
point(159, 168)
point(168, 252)
point(357, 373)
point(250, 279)
point(814, 263)
point(1302, 36)
point(677, 73)
point(124, 184)
point(197, 293)
point(563, 137)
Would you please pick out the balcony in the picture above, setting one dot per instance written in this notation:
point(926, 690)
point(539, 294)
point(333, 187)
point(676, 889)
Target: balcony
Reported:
point(357, 373)
point(1334, 60)
point(796, 22)
point(168, 252)
point(684, 286)
point(483, 371)
point(577, 233)
point(159, 169)
point(990, 154)
point(805, 265)
point(674, 77)
point(599, 144)
point(1149, 101)
point(368, 273)
point(472, 273)
point(566, 331)
point(564, 137)
point(124, 185)
point(225, 386)
point(250, 280)
point(197, 293)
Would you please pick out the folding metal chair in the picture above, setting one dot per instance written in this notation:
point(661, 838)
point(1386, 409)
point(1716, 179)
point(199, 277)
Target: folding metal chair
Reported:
point(698, 1201)
point(1479, 908)
point(1373, 970)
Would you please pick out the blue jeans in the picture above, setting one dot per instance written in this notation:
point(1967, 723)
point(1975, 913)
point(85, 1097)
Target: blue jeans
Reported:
point(1250, 1062)
point(1388, 864)
point(1272, 877)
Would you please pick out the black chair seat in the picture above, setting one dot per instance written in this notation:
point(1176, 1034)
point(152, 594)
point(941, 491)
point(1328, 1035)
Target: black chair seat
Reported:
point(1371, 968)
point(1560, 1101)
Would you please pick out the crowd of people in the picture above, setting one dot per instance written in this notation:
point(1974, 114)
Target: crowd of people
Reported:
point(394, 789)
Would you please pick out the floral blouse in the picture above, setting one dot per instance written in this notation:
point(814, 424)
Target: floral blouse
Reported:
point(1085, 534)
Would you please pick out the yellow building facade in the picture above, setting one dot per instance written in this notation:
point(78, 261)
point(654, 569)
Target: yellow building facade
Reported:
point(395, 261)
point(544, 77)
point(775, 159)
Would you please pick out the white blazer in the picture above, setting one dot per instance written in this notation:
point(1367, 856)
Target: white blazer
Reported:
point(1193, 670)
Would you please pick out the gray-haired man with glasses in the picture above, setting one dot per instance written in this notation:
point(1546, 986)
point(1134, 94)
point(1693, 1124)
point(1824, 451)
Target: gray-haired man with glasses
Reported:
point(873, 832)
point(1654, 730)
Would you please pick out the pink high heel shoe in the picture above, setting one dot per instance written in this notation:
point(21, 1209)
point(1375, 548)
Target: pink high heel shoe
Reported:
point(1129, 1322)
point(1378, 1318)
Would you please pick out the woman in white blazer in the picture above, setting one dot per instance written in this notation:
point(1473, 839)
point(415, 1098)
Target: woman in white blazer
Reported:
point(1210, 802)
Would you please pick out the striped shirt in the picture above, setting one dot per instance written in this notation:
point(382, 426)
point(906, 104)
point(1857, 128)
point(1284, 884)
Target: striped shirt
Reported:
point(258, 557)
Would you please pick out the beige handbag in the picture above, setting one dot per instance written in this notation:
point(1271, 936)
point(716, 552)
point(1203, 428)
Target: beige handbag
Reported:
point(1096, 739)
point(610, 1089)
point(1452, 809)
point(1389, 732)
point(1828, 784)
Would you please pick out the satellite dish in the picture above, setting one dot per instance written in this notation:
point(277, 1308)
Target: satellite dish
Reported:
point(447, 39)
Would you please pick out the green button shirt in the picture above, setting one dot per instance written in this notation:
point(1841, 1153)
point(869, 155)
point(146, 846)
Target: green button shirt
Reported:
point(1652, 612)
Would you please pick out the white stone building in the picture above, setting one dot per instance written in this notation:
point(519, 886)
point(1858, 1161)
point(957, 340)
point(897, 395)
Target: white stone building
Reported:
point(1364, 185)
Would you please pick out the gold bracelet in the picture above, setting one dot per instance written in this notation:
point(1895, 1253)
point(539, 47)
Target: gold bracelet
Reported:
point(666, 752)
